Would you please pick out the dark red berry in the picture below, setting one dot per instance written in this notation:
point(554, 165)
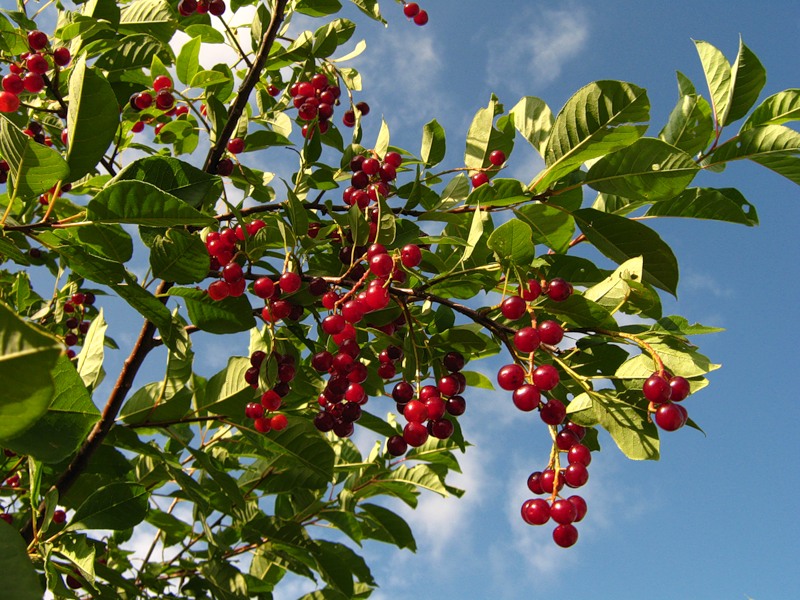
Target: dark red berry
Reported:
point(679, 388)
point(554, 412)
point(550, 332)
point(656, 389)
point(513, 307)
point(497, 158)
point(535, 511)
point(545, 377)
point(510, 377)
point(559, 290)
point(565, 535)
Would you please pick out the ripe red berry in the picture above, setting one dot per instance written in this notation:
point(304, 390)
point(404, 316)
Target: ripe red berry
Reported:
point(670, 417)
point(535, 482)
point(535, 511)
point(563, 511)
point(550, 481)
point(559, 290)
point(456, 406)
point(411, 9)
point(253, 410)
point(513, 307)
point(264, 287)
point(565, 439)
point(580, 507)
point(415, 412)
point(8, 102)
point(333, 324)
point(218, 290)
point(62, 56)
point(656, 389)
point(421, 18)
point(363, 108)
point(59, 516)
point(532, 291)
point(415, 434)
point(278, 422)
point(679, 388)
point(579, 454)
point(479, 179)
point(162, 82)
point(290, 282)
point(37, 40)
point(497, 157)
point(550, 332)
point(33, 82)
point(37, 63)
point(13, 83)
point(526, 339)
point(565, 535)
point(217, 8)
point(576, 475)
point(526, 397)
point(510, 377)
point(453, 361)
point(545, 377)
point(349, 118)
point(554, 412)
point(225, 167)
point(381, 265)
point(235, 145)
point(396, 445)
point(410, 255)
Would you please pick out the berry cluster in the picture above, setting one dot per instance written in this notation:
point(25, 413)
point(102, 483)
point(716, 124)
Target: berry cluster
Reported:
point(75, 322)
point(315, 100)
point(564, 511)
point(496, 159)
point(415, 13)
point(28, 73)
point(187, 8)
point(663, 391)
point(264, 415)
point(371, 179)
point(222, 247)
point(161, 98)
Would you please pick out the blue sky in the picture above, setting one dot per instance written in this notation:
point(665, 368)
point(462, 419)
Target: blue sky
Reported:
point(716, 516)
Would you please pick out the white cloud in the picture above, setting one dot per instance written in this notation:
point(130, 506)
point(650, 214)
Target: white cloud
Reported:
point(536, 46)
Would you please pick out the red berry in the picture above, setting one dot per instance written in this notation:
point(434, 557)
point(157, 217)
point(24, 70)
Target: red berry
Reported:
point(253, 410)
point(217, 8)
point(235, 145)
point(61, 56)
point(545, 377)
point(565, 439)
point(37, 63)
point(263, 424)
point(576, 475)
point(526, 339)
point(580, 507)
point(559, 290)
point(565, 535)
point(162, 82)
point(363, 108)
point(497, 157)
point(13, 83)
point(535, 511)
point(563, 511)
point(232, 272)
point(370, 166)
point(410, 255)
point(164, 100)
point(381, 265)
point(225, 167)
point(549, 481)
point(349, 118)
point(670, 417)
point(513, 307)
point(679, 388)
point(421, 18)
point(554, 412)
point(456, 406)
point(8, 102)
point(396, 445)
point(37, 39)
point(535, 482)
point(218, 290)
point(290, 282)
point(479, 179)
point(59, 516)
point(656, 389)
point(264, 287)
point(394, 159)
point(526, 397)
point(411, 10)
point(415, 412)
point(453, 361)
point(33, 82)
point(532, 291)
point(415, 434)
point(550, 332)
point(278, 422)
point(510, 377)
point(579, 454)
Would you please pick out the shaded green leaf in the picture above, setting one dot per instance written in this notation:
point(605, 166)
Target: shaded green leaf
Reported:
point(690, 126)
point(434, 146)
point(549, 226)
point(717, 71)
point(773, 146)
point(724, 204)
point(179, 256)
point(748, 77)
point(118, 505)
point(230, 315)
point(512, 243)
point(775, 110)
point(188, 63)
point(22, 582)
point(534, 120)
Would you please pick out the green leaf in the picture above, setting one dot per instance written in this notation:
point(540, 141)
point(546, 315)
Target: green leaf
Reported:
point(150, 307)
point(118, 505)
point(434, 146)
point(27, 357)
point(142, 204)
point(614, 290)
point(718, 77)
point(601, 117)
point(583, 312)
point(179, 256)
point(371, 9)
point(204, 79)
point(724, 204)
point(690, 126)
point(748, 77)
point(423, 476)
point(22, 582)
point(318, 8)
point(483, 138)
point(92, 119)
point(150, 404)
point(685, 85)
point(188, 63)
point(649, 169)
point(206, 33)
point(67, 422)
point(549, 226)
point(90, 360)
point(78, 550)
point(628, 425)
point(91, 266)
point(775, 110)
point(534, 120)
point(679, 357)
point(175, 530)
point(230, 315)
point(511, 243)
point(621, 239)
point(155, 17)
point(33, 167)
point(173, 176)
point(108, 241)
point(773, 146)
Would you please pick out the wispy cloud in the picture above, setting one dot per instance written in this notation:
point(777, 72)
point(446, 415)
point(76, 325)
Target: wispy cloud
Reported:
point(536, 46)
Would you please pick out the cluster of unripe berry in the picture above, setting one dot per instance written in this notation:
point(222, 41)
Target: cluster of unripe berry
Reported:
point(663, 392)
point(415, 13)
point(264, 415)
point(189, 7)
point(27, 74)
point(371, 179)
